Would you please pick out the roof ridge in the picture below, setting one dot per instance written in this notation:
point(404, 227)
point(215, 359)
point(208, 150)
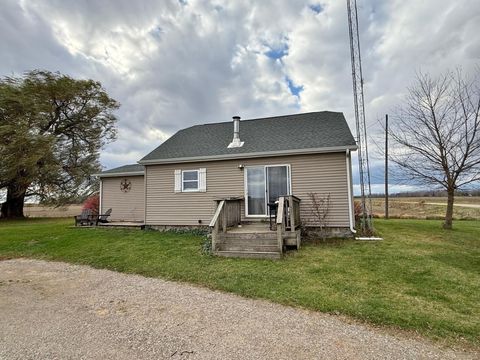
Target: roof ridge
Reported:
point(264, 118)
point(316, 129)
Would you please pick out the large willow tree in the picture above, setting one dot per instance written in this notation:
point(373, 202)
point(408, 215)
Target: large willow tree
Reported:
point(52, 128)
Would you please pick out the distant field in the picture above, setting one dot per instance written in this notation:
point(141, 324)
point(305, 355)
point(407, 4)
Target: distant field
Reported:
point(428, 207)
point(401, 207)
point(34, 211)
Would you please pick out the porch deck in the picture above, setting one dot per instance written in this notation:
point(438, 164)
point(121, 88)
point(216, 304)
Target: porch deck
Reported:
point(233, 238)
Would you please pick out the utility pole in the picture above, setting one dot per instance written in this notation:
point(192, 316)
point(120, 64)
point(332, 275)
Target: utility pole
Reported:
point(386, 166)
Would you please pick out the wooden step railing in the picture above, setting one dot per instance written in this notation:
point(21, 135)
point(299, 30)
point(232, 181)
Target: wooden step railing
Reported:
point(288, 218)
point(227, 214)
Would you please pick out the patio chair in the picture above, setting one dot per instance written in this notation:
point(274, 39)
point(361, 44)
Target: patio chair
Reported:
point(85, 218)
point(103, 218)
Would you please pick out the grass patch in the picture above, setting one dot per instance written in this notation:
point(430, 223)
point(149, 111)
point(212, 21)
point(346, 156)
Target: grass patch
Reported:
point(419, 278)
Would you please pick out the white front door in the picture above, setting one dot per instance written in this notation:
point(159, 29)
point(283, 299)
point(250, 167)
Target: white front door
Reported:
point(264, 184)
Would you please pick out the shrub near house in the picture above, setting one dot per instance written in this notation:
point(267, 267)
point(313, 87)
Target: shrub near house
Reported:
point(92, 203)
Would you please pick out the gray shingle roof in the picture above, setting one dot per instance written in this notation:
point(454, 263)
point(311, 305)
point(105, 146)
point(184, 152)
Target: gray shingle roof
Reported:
point(279, 134)
point(122, 170)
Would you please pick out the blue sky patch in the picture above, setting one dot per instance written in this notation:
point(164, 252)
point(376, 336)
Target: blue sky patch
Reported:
point(295, 90)
point(316, 8)
point(277, 53)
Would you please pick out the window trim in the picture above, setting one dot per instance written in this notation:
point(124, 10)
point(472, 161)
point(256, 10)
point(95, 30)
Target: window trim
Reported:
point(197, 189)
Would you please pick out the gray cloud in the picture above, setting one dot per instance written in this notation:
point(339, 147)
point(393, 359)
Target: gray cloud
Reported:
point(173, 64)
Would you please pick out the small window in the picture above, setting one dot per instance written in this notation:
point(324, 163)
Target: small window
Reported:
point(190, 180)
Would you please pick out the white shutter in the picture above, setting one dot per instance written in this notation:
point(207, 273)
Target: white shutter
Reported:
point(202, 180)
point(178, 180)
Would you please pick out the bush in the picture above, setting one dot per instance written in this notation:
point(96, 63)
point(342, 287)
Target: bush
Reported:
point(357, 210)
point(92, 203)
point(188, 230)
point(207, 245)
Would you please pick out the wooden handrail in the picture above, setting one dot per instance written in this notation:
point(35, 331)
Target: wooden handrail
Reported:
point(228, 213)
point(217, 213)
point(288, 212)
point(281, 204)
point(296, 198)
point(280, 223)
point(288, 217)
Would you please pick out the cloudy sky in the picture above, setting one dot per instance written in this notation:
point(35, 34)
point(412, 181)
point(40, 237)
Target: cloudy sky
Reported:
point(172, 64)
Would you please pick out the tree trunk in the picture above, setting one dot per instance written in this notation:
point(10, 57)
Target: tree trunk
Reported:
point(13, 207)
point(449, 215)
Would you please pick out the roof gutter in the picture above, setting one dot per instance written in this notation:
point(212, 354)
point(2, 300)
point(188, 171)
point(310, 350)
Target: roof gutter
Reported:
point(249, 155)
point(132, 173)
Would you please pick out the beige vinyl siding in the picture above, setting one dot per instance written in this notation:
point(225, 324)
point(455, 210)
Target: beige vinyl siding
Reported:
point(319, 173)
point(126, 206)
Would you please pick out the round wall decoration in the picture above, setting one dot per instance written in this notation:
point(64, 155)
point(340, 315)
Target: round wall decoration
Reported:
point(125, 185)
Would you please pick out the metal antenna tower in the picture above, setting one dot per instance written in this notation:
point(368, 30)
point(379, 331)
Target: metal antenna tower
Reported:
point(363, 166)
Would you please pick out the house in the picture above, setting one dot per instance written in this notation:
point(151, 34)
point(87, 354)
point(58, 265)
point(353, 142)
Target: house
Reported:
point(226, 174)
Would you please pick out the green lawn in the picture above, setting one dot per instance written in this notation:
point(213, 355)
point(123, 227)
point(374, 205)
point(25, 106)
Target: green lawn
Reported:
point(419, 278)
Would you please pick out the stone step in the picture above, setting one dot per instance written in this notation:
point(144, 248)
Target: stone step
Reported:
point(249, 254)
point(247, 247)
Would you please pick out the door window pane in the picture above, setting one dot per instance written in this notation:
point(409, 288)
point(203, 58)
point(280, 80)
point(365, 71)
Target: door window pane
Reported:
point(277, 182)
point(256, 190)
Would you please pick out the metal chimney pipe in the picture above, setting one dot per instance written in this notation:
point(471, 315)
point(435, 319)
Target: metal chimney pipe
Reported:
point(236, 127)
point(236, 133)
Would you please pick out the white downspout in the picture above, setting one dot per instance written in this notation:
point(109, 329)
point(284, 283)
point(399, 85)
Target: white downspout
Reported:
point(350, 195)
point(100, 197)
point(145, 195)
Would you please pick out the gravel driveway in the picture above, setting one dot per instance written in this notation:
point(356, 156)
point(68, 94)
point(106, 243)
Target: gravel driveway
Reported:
point(51, 310)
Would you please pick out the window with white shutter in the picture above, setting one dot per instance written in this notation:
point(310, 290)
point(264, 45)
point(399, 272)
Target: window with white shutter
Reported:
point(191, 180)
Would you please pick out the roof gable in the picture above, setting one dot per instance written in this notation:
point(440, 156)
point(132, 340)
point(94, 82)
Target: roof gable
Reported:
point(125, 170)
point(280, 134)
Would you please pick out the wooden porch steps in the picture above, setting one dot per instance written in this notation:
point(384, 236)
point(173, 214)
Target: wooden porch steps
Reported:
point(233, 238)
point(250, 254)
point(248, 241)
point(265, 238)
point(247, 247)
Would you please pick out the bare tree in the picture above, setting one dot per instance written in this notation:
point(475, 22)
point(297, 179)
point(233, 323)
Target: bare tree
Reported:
point(436, 133)
point(320, 210)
